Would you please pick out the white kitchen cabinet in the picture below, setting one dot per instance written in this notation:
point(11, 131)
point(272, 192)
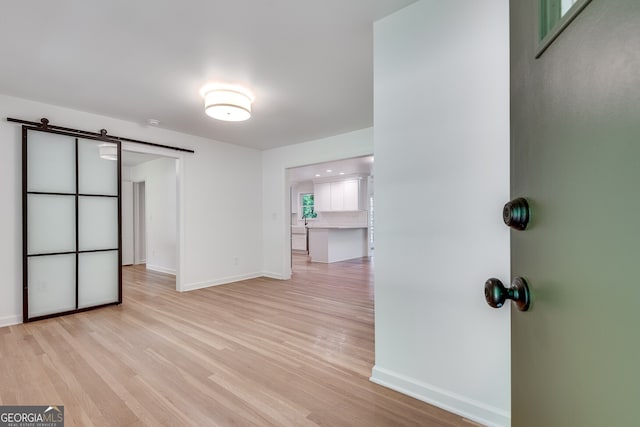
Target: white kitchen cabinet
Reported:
point(333, 244)
point(351, 195)
point(322, 196)
point(337, 196)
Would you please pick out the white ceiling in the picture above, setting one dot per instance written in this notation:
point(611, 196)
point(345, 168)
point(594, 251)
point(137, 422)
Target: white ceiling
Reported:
point(309, 63)
point(354, 166)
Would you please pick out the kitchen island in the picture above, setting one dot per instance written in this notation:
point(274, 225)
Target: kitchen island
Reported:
point(337, 243)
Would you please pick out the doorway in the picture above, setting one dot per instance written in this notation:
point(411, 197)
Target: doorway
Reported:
point(134, 240)
point(139, 224)
point(327, 197)
point(152, 211)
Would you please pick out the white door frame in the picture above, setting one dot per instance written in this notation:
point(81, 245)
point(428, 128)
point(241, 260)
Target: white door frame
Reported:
point(139, 222)
point(180, 201)
point(288, 259)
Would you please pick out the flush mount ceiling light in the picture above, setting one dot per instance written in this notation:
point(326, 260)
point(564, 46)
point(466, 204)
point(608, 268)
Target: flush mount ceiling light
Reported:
point(108, 151)
point(226, 102)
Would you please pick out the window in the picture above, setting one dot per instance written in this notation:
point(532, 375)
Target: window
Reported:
point(565, 5)
point(307, 204)
point(555, 16)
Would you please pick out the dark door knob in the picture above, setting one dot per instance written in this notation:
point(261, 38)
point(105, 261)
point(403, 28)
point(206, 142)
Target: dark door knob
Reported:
point(516, 214)
point(496, 294)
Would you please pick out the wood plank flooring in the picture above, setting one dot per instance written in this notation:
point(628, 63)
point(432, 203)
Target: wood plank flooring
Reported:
point(261, 352)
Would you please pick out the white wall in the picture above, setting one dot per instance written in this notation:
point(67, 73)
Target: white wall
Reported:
point(276, 244)
point(441, 120)
point(220, 196)
point(160, 181)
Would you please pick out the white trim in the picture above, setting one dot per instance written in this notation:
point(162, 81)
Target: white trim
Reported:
point(449, 401)
point(179, 156)
point(340, 178)
point(217, 282)
point(180, 215)
point(138, 224)
point(358, 152)
point(277, 276)
point(161, 269)
point(10, 320)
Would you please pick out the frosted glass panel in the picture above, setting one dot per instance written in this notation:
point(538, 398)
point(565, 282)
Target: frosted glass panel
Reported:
point(97, 223)
point(52, 284)
point(51, 224)
point(51, 163)
point(95, 174)
point(97, 278)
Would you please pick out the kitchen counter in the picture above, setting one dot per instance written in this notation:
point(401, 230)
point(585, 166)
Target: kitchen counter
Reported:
point(337, 243)
point(299, 238)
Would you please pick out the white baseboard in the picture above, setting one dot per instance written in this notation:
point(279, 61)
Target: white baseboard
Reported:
point(161, 269)
point(449, 401)
point(217, 282)
point(10, 320)
point(277, 276)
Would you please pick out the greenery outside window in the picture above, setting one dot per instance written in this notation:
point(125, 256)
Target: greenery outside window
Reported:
point(307, 206)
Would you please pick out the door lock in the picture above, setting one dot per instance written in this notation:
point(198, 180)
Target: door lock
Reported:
point(516, 213)
point(496, 294)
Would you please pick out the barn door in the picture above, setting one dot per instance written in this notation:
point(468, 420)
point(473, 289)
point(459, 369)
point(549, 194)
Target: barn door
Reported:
point(71, 223)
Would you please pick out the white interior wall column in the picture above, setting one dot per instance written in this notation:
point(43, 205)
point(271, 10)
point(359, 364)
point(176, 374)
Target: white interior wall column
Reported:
point(441, 120)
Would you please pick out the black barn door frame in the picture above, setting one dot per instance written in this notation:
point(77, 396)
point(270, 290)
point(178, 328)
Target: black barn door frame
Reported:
point(25, 256)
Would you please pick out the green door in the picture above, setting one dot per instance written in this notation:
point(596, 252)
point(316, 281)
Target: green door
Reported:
point(575, 155)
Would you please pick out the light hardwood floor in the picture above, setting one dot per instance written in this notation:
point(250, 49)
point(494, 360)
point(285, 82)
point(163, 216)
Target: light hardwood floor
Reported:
point(258, 352)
